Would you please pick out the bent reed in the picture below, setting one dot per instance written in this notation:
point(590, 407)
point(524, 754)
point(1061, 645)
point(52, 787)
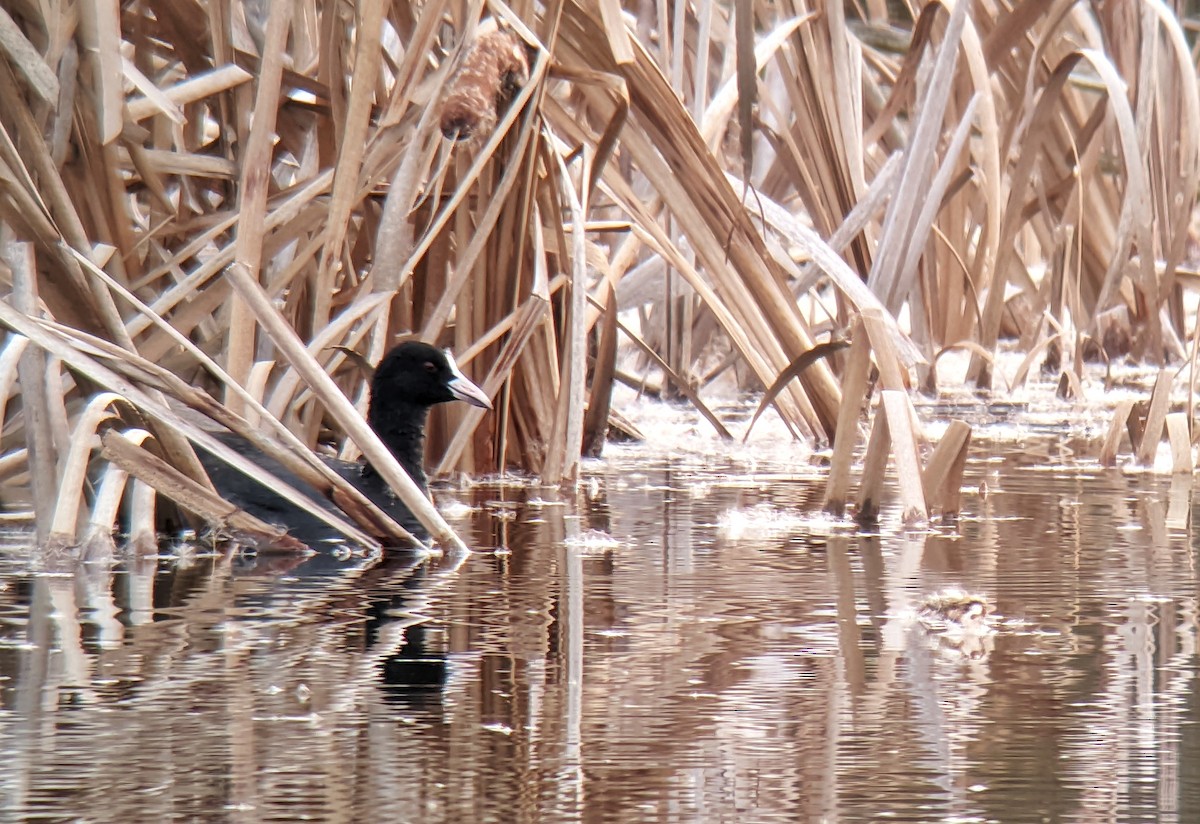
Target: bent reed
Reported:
point(211, 211)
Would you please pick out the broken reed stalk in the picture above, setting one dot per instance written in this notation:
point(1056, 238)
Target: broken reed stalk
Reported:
point(1116, 429)
point(942, 476)
point(97, 537)
point(595, 425)
point(855, 385)
point(1180, 438)
point(75, 464)
point(31, 371)
point(1156, 416)
point(874, 470)
point(566, 438)
point(900, 416)
point(924, 487)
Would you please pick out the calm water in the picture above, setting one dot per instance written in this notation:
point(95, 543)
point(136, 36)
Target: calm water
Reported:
point(684, 640)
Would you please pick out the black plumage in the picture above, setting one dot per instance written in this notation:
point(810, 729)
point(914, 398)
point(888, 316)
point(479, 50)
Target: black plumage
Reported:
point(412, 377)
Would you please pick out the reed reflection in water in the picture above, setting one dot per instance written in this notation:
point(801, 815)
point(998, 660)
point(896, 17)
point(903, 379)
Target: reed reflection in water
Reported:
point(677, 643)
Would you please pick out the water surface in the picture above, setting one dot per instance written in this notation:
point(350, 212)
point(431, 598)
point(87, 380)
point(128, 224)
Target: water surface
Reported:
point(682, 639)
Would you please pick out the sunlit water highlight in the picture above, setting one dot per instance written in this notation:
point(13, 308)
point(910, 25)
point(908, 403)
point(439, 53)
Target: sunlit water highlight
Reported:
point(686, 638)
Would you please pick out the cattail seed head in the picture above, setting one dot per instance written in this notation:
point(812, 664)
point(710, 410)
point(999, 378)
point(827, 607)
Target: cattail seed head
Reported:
point(495, 68)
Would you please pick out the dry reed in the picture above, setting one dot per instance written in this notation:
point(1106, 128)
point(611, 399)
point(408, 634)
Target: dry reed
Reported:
point(236, 194)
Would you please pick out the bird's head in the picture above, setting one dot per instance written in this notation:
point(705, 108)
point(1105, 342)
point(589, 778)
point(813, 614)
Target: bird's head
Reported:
point(415, 372)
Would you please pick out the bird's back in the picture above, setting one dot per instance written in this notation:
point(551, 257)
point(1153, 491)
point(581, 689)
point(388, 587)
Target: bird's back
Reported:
point(268, 505)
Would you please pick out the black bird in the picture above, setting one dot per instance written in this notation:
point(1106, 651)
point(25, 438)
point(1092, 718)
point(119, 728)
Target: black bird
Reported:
point(412, 377)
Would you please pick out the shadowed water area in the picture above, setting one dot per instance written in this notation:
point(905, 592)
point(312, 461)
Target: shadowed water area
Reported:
point(683, 639)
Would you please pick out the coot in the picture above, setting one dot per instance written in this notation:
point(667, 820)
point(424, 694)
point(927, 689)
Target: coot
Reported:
point(410, 379)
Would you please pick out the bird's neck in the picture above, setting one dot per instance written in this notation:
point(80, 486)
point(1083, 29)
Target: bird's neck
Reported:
point(401, 427)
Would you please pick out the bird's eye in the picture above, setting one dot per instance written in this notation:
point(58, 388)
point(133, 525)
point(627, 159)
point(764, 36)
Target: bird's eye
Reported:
point(431, 367)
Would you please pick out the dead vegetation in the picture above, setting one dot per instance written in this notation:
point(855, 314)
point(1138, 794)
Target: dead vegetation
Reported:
point(206, 204)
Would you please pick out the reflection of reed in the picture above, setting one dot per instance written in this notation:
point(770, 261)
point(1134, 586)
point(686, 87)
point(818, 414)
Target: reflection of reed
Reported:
point(683, 675)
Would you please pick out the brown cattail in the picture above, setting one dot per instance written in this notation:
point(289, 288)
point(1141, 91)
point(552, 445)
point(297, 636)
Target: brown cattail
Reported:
point(494, 69)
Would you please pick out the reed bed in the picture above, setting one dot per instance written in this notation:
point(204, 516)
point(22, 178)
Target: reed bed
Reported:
point(213, 210)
